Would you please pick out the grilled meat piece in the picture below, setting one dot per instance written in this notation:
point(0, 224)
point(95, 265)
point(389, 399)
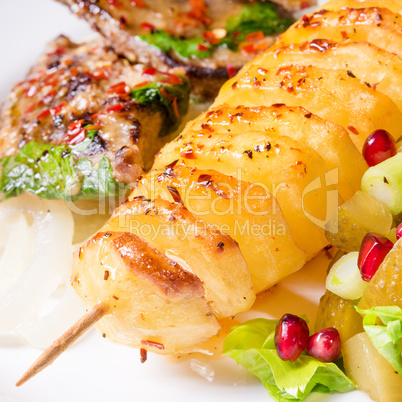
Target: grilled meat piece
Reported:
point(84, 100)
point(194, 34)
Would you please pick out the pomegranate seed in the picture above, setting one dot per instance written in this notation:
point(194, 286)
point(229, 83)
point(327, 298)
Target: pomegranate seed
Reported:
point(378, 147)
point(373, 250)
point(399, 231)
point(291, 337)
point(325, 345)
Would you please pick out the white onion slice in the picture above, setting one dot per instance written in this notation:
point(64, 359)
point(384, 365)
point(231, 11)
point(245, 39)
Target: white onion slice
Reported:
point(42, 332)
point(344, 278)
point(36, 263)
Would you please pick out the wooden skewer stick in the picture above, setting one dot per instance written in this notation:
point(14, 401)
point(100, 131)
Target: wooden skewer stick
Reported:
point(62, 343)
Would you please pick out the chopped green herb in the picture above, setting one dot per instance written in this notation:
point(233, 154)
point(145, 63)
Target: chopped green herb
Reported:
point(252, 345)
point(56, 171)
point(252, 18)
point(257, 17)
point(172, 99)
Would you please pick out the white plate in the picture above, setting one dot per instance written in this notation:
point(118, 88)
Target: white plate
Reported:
point(94, 369)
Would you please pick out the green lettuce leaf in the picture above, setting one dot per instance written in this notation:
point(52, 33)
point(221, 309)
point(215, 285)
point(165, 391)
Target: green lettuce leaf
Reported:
point(57, 171)
point(252, 345)
point(386, 338)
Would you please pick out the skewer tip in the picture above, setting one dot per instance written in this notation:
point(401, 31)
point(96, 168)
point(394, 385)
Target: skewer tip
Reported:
point(61, 344)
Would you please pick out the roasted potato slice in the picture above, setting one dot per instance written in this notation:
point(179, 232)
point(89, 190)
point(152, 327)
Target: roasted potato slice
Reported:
point(330, 141)
point(212, 256)
point(393, 5)
point(154, 303)
point(287, 169)
point(379, 26)
point(369, 63)
point(247, 212)
point(333, 95)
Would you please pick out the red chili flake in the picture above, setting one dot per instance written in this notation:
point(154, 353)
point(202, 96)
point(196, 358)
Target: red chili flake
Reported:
point(198, 4)
point(96, 115)
point(74, 71)
point(304, 4)
point(173, 100)
point(75, 125)
point(236, 34)
point(51, 80)
point(149, 71)
point(188, 154)
point(305, 21)
point(255, 36)
point(101, 73)
point(153, 344)
point(171, 79)
point(207, 127)
point(176, 108)
point(114, 3)
point(142, 84)
point(32, 91)
point(231, 70)
point(57, 109)
point(210, 37)
point(353, 130)
point(114, 108)
point(143, 355)
point(175, 194)
point(262, 45)
point(123, 20)
point(146, 26)
point(138, 3)
point(44, 114)
point(67, 62)
point(121, 89)
point(58, 51)
point(202, 48)
point(248, 49)
point(30, 108)
point(75, 138)
point(47, 99)
point(93, 127)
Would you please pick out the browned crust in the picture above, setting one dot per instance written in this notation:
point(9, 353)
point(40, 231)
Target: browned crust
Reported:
point(374, 16)
point(146, 261)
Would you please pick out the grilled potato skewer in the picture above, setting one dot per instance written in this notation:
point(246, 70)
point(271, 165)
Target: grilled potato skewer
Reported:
point(334, 95)
point(167, 289)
